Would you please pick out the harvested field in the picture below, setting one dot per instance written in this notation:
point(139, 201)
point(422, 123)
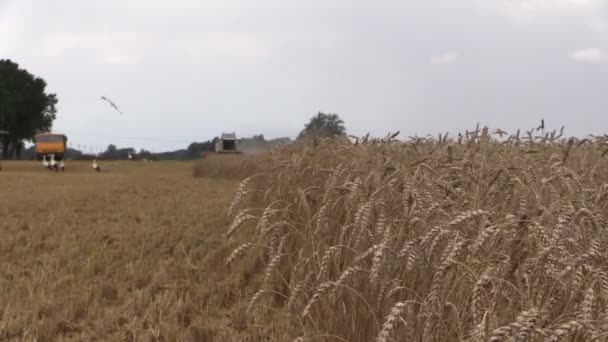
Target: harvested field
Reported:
point(129, 254)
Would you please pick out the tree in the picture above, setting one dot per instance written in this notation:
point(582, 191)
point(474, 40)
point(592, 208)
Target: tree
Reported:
point(25, 107)
point(113, 152)
point(111, 149)
point(259, 138)
point(195, 149)
point(323, 125)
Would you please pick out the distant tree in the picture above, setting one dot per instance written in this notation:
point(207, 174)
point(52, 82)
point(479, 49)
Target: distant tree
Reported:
point(73, 153)
point(259, 138)
point(145, 154)
point(111, 149)
point(113, 152)
point(25, 107)
point(195, 149)
point(323, 125)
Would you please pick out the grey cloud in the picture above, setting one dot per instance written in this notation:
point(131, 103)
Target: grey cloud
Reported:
point(185, 69)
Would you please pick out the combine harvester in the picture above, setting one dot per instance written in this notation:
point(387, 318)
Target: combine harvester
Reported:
point(227, 144)
point(51, 148)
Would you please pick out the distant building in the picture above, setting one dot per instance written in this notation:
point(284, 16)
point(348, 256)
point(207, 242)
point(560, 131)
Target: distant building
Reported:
point(226, 143)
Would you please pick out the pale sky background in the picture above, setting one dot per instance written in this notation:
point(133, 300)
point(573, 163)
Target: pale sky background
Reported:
point(186, 70)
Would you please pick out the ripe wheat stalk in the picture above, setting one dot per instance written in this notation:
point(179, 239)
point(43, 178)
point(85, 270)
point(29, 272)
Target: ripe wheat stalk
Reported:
point(471, 238)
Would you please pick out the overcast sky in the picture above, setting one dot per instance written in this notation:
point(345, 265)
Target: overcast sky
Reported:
point(185, 70)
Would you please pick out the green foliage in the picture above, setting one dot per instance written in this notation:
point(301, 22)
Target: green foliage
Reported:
point(111, 149)
point(196, 148)
point(324, 126)
point(113, 152)
point(25, 107)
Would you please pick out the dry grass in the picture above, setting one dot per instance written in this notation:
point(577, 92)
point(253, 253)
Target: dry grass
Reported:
point(470, 239)
point(227, 166)
point(130, 254)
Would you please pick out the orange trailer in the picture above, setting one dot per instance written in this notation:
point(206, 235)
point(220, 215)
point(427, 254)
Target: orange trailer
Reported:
point(50, 144)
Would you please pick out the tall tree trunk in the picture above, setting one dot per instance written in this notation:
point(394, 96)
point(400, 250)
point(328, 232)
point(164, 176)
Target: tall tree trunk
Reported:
point(11, 150)
point(18, 149)
point(5, 147)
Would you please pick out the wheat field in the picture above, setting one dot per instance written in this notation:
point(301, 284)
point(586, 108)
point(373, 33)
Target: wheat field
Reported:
point(129, 254)
point(475, 238)
point(480, 237)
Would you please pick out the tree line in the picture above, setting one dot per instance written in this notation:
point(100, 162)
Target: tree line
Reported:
point(26, 110)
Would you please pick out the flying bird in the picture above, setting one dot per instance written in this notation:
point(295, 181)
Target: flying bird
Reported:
point(500, 132)
point(542, 125)
point(112, 104)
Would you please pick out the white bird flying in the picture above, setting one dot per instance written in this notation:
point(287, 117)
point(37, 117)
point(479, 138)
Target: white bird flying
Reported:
point(112, 104)
point(95, 166)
